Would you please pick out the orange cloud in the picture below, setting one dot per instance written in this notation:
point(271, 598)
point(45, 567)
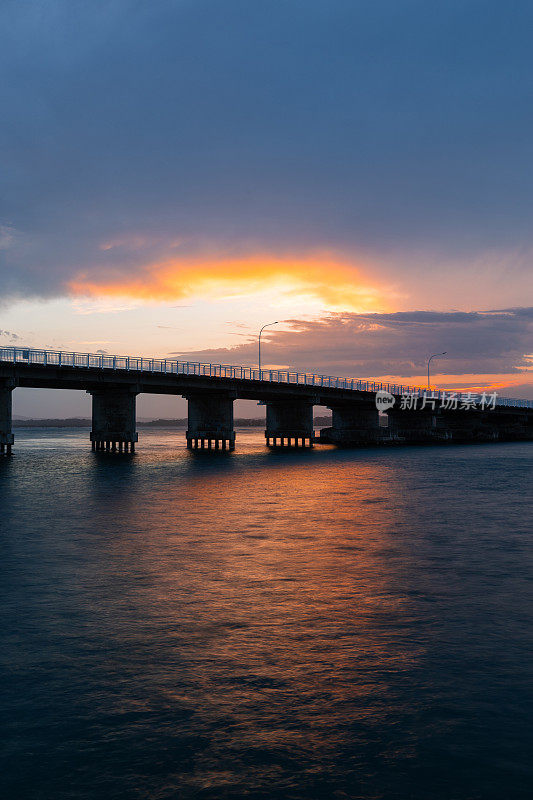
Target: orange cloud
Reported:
point(325, 278)
point(466, 382)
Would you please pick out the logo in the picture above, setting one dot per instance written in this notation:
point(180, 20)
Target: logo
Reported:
point(384, 400)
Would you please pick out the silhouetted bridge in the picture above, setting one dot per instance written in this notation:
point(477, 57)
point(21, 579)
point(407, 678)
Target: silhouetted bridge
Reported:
point(210, 389)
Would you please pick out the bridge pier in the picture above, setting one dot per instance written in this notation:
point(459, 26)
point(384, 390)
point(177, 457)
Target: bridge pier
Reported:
point(415, 425)
point(210, 421)
point(509, 424)
point(354, 422)
point(113, 420)
point(289, 423)
point(6, 434)
point(479, 425)
point(463, 426)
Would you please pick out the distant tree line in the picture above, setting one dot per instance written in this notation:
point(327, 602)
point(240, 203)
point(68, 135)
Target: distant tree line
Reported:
point(79, 422)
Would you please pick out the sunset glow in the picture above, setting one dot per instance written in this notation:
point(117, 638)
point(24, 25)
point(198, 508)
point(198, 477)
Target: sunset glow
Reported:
point(324, 278)
point(169, 196)
point(266, 400)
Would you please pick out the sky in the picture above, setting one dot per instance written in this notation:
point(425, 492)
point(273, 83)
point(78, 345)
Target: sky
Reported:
point(175, 174)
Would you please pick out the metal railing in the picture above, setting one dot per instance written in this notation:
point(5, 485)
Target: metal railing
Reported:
point(57, 358)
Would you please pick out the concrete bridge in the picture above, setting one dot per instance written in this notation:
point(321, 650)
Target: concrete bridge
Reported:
point(210, 389)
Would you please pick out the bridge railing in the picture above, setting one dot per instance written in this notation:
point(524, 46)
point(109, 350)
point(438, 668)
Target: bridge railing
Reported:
point(58, 358)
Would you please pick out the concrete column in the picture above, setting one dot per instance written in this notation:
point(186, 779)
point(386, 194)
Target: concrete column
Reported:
point(414, 425)
point(210, 421)
point(113, 420)
point(289, 423)
point(508, 424)
point(463, 426)
point(456, 425)
point(6, 434)
point(353, 423)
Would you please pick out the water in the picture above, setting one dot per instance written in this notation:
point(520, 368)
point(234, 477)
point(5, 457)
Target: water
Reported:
point(334, 624)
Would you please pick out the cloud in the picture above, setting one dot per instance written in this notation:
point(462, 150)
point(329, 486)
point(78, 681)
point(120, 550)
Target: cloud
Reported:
point(495, 345)
point(13, 337)
point(7, 237)
point(379, 130)
point(322, 277)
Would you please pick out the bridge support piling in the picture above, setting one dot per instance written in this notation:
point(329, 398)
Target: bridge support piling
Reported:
point(113, 420)
point(289, 423)
point(6, 433)
point(463, 426)
point(415, 425)
point(507, 424)
point(353, 423)
point(210, 421)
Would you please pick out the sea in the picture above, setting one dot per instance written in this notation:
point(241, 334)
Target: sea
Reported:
point(300, 625)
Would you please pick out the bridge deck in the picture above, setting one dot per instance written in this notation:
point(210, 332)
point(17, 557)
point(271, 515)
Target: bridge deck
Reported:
point(65, 370)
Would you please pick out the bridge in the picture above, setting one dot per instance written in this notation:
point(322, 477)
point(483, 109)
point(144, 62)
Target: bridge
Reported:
point(211, 389)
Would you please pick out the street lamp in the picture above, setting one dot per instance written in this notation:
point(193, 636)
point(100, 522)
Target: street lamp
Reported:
point(429, 362)
point(260, 332)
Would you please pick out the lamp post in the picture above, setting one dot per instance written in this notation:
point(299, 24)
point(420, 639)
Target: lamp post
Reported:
point(260, 332)
point(429, 362)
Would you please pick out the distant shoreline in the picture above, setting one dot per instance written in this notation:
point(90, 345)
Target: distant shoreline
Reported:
point(79, 422)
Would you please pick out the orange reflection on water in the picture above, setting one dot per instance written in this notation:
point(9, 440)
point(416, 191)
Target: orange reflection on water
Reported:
point(268, 590)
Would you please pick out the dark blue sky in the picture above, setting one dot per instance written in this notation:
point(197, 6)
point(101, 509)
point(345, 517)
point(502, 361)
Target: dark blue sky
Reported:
point(206, 159)
point(389, 128)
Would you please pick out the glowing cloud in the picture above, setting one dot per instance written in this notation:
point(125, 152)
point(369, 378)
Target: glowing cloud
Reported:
point(323, 278)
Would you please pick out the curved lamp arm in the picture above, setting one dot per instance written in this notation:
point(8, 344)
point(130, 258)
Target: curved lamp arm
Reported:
point(268, 324)
point(429, 362)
